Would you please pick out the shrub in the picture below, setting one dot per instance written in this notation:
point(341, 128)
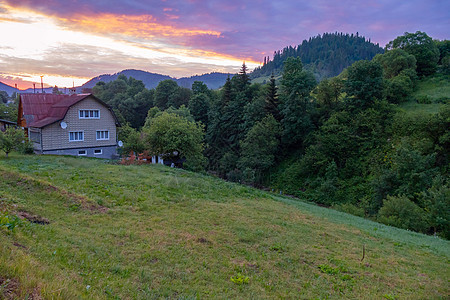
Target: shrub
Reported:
point(350, 209)
point(423, 99)
point(403, 213)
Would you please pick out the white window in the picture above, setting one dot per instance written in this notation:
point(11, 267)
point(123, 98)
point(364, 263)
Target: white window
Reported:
point(102, 135)
point(97, 151)
point(76, 136)
point(89, 114)
point(82, 152)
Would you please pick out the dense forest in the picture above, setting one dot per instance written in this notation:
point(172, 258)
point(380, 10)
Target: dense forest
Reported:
point(325, 55)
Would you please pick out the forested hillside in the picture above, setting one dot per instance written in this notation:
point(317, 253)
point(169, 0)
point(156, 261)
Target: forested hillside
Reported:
point(373, 141)
point(325, 55)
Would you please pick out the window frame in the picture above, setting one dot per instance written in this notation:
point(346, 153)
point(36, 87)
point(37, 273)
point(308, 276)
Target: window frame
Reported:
point(80, 140)
point(85, 153)
point(89, 113)
point(101, 139)
point(100, 153)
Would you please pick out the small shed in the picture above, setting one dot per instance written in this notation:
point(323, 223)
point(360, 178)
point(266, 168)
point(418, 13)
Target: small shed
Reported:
point(4, 124)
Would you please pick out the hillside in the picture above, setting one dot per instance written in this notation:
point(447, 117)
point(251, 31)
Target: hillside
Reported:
point(325, 55)
point(138, 232)
point(8, 89)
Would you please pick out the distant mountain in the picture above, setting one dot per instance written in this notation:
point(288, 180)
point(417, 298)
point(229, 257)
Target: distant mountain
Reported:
point(8, 89)
point(212, 80)
point(151, 80)
point(326, 55)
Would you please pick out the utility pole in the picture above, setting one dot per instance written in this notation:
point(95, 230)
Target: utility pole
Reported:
point(42, 84)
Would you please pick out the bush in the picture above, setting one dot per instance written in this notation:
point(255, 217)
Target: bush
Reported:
point(423, 99)
point(350, 209)
point(403, 213)
point(26, 147)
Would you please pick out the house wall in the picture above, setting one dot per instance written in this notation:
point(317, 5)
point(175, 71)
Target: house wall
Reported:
point(55, 138)
point(109, 152)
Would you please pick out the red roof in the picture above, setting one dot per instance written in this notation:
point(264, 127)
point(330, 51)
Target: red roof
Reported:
point(41, 110)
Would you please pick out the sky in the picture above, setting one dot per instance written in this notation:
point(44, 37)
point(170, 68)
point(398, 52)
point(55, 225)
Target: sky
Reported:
point(69, 42)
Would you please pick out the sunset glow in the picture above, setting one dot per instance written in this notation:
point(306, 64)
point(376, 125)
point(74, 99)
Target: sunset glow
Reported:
point(71, 42)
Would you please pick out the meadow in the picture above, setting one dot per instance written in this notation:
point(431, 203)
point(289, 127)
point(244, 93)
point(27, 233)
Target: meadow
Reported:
point(92, 229)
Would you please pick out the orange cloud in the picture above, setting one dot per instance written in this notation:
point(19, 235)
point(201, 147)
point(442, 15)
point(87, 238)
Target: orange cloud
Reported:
point(143, 26)
point(147, 27)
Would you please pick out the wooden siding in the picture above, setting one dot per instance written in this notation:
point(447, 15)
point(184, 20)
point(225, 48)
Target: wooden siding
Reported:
point(54, 137)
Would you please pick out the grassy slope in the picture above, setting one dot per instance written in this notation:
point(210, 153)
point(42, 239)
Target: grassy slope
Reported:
point(436, 87)
point(154, 232)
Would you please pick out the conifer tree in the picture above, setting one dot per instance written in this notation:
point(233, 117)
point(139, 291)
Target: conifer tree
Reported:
point(271, 105)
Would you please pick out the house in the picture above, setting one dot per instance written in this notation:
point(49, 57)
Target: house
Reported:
point(5, 124)
point(78, 124)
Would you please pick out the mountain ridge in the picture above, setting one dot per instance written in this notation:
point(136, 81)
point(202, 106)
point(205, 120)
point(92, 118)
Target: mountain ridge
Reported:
point(213, 80)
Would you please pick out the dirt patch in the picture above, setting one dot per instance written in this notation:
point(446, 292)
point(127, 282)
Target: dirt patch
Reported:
point(204, 241)
point(33, 218)
point(97, 208)
point(9, 288)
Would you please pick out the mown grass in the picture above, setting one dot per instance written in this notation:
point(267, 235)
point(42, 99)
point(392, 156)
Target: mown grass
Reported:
point(150, 232)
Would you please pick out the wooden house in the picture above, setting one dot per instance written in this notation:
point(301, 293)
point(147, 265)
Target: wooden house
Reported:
point(78, 124)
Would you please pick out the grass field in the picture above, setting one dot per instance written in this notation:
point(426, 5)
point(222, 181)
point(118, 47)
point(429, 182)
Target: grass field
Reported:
point(105, 231)
point(435, 88)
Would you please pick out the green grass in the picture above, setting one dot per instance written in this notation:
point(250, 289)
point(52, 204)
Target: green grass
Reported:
point(436, 88)
point(150, 232)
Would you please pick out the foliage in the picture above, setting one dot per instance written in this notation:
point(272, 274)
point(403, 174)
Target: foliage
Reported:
point(11, 139)
point(271, 99)
point(132, 141)
point(422, 47)
point(3, 97)
point(8, 112)
point(9, 222)
point(240, 279)
point(396, 61)
point(128, 96)
point(364, 84)
point(168, 93)
point(296, 87)
point(436, 199)
point(199, 107)
point(259, 147)
point(172, 136)
point(403, 213)
point(325, 55)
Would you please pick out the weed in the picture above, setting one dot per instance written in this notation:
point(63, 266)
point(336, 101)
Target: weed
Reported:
point(278, 248)
point(328, 269)
point(240, 279)
point(9, 222)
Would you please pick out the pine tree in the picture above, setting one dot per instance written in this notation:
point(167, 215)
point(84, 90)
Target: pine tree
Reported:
point(271, 105)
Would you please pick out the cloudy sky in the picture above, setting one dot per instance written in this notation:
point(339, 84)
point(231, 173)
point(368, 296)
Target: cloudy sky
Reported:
point(73, 41)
